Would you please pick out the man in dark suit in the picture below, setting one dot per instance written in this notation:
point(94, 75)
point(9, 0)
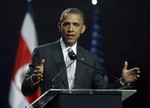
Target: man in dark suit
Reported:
point(50, 59)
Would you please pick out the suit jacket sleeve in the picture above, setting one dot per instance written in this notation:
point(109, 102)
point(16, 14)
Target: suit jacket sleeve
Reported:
point(28, 87)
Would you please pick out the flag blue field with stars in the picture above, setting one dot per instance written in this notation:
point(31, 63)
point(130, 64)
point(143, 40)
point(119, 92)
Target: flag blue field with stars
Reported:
point(96, 39)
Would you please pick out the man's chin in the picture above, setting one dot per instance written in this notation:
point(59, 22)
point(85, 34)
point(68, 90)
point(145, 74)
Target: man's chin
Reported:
point(70, 43)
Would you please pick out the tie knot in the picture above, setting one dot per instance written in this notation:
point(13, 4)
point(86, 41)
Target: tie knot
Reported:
point(69, 49)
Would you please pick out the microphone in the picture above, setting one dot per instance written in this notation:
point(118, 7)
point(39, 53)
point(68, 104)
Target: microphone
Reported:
point(73, 57)
point(71, 54)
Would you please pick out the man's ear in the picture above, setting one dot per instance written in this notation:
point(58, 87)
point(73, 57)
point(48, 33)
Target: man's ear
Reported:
point(58, 25)
point(83, 28)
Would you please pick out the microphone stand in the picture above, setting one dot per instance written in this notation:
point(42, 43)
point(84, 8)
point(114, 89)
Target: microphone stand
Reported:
point(60, 73)
point(98, 69)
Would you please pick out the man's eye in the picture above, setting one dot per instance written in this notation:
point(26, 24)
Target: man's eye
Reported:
point(76, 24)
point(65, 24)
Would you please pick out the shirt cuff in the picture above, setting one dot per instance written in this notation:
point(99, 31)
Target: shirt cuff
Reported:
point(122, 83)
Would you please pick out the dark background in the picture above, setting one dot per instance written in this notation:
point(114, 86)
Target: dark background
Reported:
point(125, 30)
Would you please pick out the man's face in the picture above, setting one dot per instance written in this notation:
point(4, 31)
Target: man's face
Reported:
point(71, 28)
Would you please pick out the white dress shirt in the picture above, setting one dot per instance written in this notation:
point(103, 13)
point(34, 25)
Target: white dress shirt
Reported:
point(72, 68)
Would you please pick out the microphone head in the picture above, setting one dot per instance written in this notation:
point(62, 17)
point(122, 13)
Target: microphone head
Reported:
point(72, 55)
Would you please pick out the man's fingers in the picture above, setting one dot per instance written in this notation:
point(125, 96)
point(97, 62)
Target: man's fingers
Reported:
point(37, 77)
point(38, 72)
point(135, 70)
point(138, 76)
point(125, 65)
point(42, 62)
point(38, 67)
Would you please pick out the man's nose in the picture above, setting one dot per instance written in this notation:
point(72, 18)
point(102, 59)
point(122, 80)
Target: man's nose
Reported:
point(70, 28)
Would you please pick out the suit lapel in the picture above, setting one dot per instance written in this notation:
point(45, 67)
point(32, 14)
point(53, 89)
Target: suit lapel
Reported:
point(59, 59)
point(80, 67)
point(80, 70)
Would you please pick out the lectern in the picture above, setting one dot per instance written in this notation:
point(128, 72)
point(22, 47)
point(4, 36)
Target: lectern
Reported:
point(82, 98)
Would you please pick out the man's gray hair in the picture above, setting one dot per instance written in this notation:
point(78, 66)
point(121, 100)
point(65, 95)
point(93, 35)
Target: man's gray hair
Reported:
point(72, 11)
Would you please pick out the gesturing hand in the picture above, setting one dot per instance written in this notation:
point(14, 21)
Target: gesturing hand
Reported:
point(38, 72)
point(129, 75)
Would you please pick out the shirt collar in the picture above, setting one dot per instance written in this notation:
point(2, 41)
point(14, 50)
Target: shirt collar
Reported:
point(64, 48)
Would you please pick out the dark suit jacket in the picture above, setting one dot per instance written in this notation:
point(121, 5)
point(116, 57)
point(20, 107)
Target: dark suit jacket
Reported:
point(85, 76)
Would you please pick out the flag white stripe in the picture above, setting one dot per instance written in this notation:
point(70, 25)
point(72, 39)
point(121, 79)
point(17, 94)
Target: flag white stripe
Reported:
point(28, 32)
point(16, 99)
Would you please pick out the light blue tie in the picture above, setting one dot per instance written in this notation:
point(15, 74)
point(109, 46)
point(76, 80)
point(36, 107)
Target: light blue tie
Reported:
point(70, 71)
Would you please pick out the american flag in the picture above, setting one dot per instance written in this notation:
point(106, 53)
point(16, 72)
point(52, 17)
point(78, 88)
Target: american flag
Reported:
point(96, 38)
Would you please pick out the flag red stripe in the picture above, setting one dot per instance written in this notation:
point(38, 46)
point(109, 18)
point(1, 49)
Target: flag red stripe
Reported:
point(23, 56)
point(34, 96)
point(27, 42)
